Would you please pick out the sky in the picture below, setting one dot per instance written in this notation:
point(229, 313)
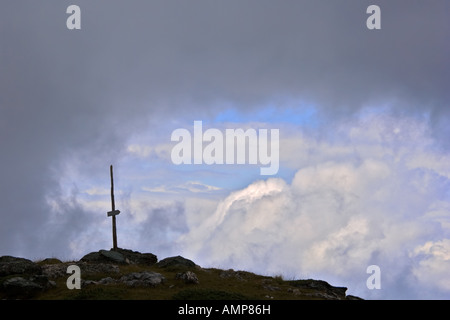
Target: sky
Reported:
point(364, 153)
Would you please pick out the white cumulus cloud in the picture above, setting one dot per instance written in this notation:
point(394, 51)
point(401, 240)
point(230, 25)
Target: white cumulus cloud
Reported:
point(341, 214)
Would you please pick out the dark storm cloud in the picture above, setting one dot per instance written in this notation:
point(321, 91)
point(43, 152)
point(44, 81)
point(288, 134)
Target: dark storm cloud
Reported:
point(236, 50)
point(79, 94)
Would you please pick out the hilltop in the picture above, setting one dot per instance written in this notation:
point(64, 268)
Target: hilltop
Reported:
point(125, 274)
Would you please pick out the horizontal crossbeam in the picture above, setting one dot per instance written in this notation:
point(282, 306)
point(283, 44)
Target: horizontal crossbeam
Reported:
point(113, 213)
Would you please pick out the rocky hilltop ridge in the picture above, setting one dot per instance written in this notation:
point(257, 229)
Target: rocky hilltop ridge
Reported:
point(126, 274)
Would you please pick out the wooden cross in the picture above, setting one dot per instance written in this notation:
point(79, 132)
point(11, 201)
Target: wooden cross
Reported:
point(113, 212)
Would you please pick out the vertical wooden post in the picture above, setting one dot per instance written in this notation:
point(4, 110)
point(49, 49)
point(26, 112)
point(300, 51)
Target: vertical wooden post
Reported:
point(113, 205)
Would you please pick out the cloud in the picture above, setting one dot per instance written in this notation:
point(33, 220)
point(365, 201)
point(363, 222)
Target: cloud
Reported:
point(97, 191)
point(432, 265)
point(190, 186)
point(161, 151)
point(342, 212)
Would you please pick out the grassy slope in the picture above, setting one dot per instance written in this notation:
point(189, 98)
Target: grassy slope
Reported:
point(241, 285)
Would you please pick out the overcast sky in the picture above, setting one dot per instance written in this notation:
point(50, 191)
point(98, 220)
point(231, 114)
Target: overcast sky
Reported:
point(363, 117)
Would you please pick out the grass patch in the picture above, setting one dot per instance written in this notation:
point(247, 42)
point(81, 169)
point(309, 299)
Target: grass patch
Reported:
point(97, 293)
point(214, 284)
point(208, 294)
point(49, 261)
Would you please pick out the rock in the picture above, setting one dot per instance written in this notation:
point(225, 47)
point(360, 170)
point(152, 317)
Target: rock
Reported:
point(104, 281)
point(50, 261)
point(113, 256)
point(107, 280)
point(230, 273)
point(11, 265)
point(20, 287)
point(120, 256)
point(24, 278)
point(177, 261)
point(23, 287)
point(267, 284)
point(85, 283)
point(53, 271)
point(146, 278)
point(187, 277)
point(135, 257)
point(104, 256)
point(350, 297)
point(87, 268)
point(134, 279)
point(271, 288)
point(293, 291)
point(93, 257)
point(43, 281)
point(323, 288)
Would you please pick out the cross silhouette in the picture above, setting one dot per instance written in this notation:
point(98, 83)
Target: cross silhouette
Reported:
point(113, 212)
